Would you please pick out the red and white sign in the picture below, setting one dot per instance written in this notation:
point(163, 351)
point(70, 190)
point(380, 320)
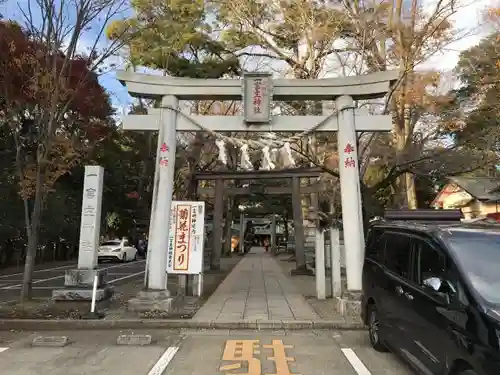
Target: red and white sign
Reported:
point(163, 160)
point(257, 89)
point(349, 163)
point(185, 247)
point(164, 147)
point(348, 149)
point(182, 237)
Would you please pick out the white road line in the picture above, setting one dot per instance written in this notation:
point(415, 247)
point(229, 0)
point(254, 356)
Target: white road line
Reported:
point(163, 362)
point(126, 277)
point(61, 276)
point(355, 362)
point(42, 270)
point(3, 349)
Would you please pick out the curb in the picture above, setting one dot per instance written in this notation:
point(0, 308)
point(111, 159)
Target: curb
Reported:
point(59, 325)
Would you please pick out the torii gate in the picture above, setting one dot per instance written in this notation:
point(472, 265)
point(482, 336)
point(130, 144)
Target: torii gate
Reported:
point(256, 90)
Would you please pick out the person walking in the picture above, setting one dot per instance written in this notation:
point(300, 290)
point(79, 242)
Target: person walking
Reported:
point(266, 243)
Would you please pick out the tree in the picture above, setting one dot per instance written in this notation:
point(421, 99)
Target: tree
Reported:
point(305, 38)
point(173, 37)
point(52, 103)
point(476, 108)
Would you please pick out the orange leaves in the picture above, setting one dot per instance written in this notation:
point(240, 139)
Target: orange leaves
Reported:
point(62, 158)
point(421, 91)
point(62, 100)
point(17, 63)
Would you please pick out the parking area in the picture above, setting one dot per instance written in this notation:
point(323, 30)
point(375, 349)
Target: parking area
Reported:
point(186, 352)
point(47, 278)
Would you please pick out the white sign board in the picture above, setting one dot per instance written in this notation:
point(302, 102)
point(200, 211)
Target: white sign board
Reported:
point(187, 232)
point(257, 92)
point(91, 216)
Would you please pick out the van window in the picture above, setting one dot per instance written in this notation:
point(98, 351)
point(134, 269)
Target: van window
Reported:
point(375, 244)
point(397, 254)
point(430, 262)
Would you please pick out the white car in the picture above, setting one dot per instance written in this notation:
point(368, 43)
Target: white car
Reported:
point(120, 250)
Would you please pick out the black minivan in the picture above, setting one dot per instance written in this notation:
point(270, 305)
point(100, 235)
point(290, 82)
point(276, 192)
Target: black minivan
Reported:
point(431, 292)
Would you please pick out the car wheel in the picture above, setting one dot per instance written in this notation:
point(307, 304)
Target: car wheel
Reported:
point(124, 257)
point(374, 329)
point(135, 256)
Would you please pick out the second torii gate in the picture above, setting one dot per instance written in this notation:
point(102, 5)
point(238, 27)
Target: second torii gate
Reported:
point(257, 91)
point(295, 190)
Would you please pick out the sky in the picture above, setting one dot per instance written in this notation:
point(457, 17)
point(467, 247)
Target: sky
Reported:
point(468, 20)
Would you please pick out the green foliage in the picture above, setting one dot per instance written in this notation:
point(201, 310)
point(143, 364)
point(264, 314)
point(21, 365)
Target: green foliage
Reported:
point(479, 71)
point(175, 36)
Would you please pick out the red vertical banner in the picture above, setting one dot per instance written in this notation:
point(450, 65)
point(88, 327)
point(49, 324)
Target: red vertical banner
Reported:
point(349, 161)
point(163, 158)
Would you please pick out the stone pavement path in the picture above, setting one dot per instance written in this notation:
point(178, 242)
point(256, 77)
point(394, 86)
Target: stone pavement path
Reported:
point(256, 289)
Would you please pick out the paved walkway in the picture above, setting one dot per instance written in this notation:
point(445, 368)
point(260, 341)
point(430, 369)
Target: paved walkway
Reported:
point(256, 289)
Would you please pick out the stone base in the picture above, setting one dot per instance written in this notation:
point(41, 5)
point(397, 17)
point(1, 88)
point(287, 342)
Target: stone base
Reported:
point(349, 305)
point(152, 301)
point(50, 341)
point(84, 278)
point(81, 295)
point(94, 315)
point(302, 271)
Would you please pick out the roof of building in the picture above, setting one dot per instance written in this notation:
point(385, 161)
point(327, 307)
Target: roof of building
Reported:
point(481, 188)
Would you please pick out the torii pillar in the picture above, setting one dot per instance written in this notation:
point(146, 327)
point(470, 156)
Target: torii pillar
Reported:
point(258, 92)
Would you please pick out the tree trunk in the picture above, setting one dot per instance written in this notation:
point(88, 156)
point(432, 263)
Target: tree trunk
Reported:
point(411, 194)
point(33, 231)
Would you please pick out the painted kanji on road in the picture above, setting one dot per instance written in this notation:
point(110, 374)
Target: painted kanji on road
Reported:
point(243, 355)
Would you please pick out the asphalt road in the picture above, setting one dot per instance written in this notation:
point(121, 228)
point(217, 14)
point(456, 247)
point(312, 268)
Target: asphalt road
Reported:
point(46, 278)
point(201, 353)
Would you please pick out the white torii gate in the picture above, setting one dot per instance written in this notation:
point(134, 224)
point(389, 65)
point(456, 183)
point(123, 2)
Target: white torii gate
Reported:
point(257, 90)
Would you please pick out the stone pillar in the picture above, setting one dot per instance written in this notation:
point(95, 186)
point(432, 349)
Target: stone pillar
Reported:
point(336, 279)
point(156, 295)
point(91, 217)
point(319, 248)
point(298, 227)
point(273, 235)
point(350, 192)
point(166, 171)
point(242, 233)
point(228, 227)
point(78, 283)
point(217, 225)
point(320, 264)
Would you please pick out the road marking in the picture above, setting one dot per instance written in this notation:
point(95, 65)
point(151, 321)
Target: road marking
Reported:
point(126, 277)
point(43, 270)
point(355, 362)
point(163, 362)
point(279, 357)
point(17, 286)
point(239, 351)
point(3, 349)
